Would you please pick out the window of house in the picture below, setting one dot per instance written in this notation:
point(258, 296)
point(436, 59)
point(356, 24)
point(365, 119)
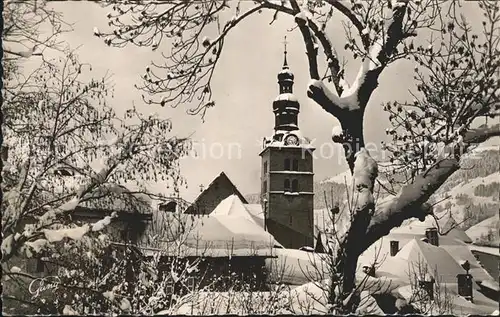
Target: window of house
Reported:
point(295, 185)
point(295, 165)
point(191, 283)
point(265, 167)
point(287, 185)
point(169, 288)
point(264, 186)
point(287, 164)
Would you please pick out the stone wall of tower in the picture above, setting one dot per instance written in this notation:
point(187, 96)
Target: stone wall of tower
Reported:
point(296, 213)
point(292, 213)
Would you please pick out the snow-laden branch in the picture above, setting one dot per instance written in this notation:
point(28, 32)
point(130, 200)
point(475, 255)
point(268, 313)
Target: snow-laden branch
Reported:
point(310, 40)
point(303, 18)
point(72, 233)
point(24, 54)
point(411, 200)
point(56, 235)
point(364, 174)
point(329, 100)
point(378, 56)
point(341, 7)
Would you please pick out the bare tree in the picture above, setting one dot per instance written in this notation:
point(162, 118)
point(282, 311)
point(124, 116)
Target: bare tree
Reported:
point(455, 77)
point(428, 295)
point(30, 28)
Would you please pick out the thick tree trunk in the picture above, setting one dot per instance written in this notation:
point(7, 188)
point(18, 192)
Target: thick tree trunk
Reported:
point(354, 141)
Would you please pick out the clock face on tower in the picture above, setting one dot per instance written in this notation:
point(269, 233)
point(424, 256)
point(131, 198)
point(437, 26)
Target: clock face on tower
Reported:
point(291, 140)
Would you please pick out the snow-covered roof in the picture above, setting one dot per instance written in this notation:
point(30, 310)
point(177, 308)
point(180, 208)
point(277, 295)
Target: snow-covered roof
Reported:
point(306, 299)
point(493, 285)
point(459, 306)
point(232, 206)
point(312, 298)
point(297, 267)
point(257, 213)
point(341, 178)
point(445, 222)
point(458, 250)
point(229, 229)
point(117, 198)
point(489, 250)
point(223, 303)
point(286, 71)
point(432, 259)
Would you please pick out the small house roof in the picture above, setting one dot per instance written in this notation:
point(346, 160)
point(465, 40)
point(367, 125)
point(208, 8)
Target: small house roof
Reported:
point(419, 255)
point(221, 177)
point(229, 230)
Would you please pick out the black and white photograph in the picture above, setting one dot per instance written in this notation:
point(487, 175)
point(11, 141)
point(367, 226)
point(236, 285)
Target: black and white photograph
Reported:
point(250, 157)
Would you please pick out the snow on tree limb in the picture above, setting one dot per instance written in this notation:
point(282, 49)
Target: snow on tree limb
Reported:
point(37, 245)
point(378, 56)
point(306, 21)
point(328, 100)
point(7, 244)
point(411, 200)
point(72, 233)
point(365, 170)
point(342, 7)
point(301, 19)
point(101, 224)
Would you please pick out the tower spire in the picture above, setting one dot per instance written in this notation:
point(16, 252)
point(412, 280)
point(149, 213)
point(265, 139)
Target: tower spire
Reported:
point(285, 62)
point(285, 76)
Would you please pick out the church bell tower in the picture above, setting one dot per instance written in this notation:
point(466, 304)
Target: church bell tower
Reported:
point(287, 193)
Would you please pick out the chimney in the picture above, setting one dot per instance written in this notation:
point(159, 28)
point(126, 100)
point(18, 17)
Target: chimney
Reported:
point(432, 235)
point(394, 247)
point(465, 286)
point(171, 206)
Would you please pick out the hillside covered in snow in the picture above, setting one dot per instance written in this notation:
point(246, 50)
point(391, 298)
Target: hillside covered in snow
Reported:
point(486, 232)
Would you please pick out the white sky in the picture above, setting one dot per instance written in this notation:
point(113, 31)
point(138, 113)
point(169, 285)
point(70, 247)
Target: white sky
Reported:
point(244, 86)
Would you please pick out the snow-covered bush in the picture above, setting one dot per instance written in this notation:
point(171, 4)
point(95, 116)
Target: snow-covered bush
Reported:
point(65, 149)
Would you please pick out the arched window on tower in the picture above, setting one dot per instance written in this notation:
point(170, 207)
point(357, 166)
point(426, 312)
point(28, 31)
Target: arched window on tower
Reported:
point(295, 186)
point(295, 165)
point(287, 185)
point(287, 164)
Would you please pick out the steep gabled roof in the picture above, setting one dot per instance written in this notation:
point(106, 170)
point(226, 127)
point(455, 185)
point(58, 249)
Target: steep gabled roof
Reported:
point(232, 206)
point(212, 235)
point(419, 255)
point(222, 177)
point(255, 210)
